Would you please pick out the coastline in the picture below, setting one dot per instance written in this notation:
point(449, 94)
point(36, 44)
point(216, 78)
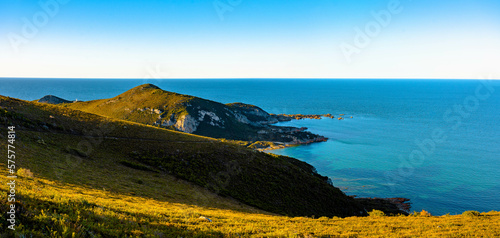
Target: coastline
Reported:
point(289, 117)
point(275, 145)
point(282, 145)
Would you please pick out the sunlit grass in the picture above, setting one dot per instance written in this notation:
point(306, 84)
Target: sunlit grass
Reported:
point(60, 210)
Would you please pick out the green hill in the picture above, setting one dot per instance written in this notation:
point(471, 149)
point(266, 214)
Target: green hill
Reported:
point(51, 99)
point(151, 105)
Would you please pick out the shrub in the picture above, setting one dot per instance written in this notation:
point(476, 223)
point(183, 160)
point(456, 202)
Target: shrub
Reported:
point(425, 213)
point(471, 214)
point(25, 173)
point(376, 213)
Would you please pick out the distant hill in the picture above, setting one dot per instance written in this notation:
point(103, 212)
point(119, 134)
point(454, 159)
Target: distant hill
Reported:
point(51, 99)
point(69, 145)
point(151, 105)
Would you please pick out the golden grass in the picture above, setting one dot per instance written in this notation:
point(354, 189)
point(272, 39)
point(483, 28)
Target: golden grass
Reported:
point(66, 208)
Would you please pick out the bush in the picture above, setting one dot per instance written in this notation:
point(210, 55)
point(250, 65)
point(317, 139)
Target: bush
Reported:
point(25, 173)
point(471, 214)
point(423, 213)
point(376, 213)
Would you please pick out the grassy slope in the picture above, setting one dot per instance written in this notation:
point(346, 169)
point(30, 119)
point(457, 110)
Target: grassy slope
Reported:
point(275, 183)
point(55, 209)
point(125, 105)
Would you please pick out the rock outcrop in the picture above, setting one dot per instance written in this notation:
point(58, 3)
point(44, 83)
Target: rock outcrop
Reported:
point(187, 123)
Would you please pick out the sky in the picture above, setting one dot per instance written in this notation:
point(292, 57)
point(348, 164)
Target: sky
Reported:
point(449, 39)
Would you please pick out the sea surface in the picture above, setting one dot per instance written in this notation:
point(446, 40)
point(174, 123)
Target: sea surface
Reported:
point(436, 142)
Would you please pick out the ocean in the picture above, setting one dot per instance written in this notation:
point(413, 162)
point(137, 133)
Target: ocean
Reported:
point(436, 142)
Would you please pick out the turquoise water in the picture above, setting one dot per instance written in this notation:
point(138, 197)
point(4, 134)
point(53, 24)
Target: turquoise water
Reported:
point(436, 142)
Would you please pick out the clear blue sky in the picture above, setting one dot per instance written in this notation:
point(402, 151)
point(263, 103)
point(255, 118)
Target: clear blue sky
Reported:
point(255, 38)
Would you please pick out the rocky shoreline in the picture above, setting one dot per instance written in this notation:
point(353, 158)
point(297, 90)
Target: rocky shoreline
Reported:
point(267, 145)
point(307, 138)
point(390, 206)
point(289, 117)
